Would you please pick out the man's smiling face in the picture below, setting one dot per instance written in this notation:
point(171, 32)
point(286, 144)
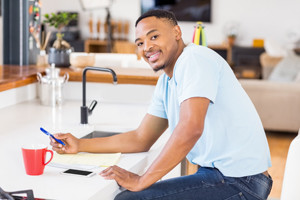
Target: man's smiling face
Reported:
point(157, 42)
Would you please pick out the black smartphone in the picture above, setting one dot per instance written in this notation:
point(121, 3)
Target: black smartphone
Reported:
point(77, 172)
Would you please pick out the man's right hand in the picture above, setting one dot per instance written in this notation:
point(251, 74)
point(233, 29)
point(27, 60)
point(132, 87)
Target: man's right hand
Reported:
point(72, 143)
point(139, 140)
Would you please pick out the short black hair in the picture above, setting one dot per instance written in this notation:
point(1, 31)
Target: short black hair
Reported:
point(159, 14)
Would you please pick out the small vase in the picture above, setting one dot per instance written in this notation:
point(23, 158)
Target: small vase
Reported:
point(231, 41)
point(42, 59)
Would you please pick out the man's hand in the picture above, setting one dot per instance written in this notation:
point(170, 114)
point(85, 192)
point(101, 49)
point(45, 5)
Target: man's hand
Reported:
point(124, 178)
point(72, 143)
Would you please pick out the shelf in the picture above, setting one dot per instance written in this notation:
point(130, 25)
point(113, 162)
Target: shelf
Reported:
point(100, 46)
point(224, 50)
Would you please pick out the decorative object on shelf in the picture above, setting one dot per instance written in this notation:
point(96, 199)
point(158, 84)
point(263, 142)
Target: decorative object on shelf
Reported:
point(199, 37)
point(126, 30)
point(231, 31)
point(231, 39)
point(82, 60)
point(91, 26)
point(258, 43)
point(42, 57)
point(88, 5)
point(59, 54)
point(98, 29)
point(51, 87)
point(120, 30)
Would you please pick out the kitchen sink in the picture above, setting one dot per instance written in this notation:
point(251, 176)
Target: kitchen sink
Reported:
point(99, 134)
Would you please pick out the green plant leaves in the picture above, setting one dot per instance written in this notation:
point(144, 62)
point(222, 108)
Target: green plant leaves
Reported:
point(59, 20)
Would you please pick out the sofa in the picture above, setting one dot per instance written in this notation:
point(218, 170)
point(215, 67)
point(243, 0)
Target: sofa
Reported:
point(277, 103)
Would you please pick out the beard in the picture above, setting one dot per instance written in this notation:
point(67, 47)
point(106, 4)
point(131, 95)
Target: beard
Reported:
point(159, 68)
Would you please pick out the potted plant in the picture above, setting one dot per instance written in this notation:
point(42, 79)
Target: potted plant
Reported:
point(231, 39)
point(231, 30)
point(59, 53)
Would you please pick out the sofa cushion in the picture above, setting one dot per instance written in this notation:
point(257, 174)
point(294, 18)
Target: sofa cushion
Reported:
point(274, 48)
point(268, 63)
point(287, 69)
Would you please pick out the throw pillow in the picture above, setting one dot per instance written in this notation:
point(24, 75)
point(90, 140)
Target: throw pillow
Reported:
point(287, 69)
point(273, 48)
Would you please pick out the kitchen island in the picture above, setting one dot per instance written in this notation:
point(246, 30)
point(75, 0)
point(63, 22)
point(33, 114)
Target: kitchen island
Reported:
point(20, 125)
point(22, 115)
point(120, 108)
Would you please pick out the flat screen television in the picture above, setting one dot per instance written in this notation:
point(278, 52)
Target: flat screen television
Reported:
point(184, 10)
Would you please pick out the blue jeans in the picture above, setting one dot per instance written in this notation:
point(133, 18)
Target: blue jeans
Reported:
point(207, 183)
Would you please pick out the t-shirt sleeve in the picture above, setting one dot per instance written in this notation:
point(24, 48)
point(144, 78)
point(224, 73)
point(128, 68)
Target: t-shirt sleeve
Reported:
point(157, 107)
point(197, 76)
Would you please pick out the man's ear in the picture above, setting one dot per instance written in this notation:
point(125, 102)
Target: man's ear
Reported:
point(177, 32)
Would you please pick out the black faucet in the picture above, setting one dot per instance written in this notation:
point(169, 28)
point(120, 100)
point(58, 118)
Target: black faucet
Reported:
point(85, 111)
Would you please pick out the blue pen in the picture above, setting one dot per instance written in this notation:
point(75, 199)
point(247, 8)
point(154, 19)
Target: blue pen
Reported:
point(47, 133)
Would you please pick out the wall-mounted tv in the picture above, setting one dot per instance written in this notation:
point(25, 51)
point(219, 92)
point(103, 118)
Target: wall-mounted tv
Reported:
point(184, 10)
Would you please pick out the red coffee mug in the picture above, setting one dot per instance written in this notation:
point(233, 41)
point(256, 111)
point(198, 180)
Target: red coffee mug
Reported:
point(34, 156)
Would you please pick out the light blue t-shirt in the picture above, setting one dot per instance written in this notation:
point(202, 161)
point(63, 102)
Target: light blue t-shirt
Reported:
point(233, 139)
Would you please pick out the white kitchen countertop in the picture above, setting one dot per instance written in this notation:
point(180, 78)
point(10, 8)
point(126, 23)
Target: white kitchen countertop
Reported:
point(20, 125)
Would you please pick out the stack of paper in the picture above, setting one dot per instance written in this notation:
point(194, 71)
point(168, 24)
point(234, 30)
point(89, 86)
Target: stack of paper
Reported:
point(84, 160)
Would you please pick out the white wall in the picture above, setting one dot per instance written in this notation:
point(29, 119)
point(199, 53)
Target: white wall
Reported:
point(257, 18)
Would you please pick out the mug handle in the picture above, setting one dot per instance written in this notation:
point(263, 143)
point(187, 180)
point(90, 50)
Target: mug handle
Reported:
point(50, 151)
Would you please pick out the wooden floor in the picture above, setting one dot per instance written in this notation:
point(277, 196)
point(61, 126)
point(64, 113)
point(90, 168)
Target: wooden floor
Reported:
point(279, 143)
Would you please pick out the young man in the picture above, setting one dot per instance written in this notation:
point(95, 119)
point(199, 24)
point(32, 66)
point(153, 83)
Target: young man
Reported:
point(212, 120)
